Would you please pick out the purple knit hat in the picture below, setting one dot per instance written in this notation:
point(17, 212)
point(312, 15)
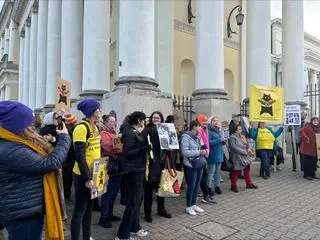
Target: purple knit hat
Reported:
point(15, 116)
point(88, 106)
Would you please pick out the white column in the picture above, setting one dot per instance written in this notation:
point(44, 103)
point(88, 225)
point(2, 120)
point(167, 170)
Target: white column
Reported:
point(42, 54)
point(53, 50)
point(258, 44)
point(3, 93)
point(210, 48)
point(2, 45)
point(14, 43)
point(6, 40)
point(96, 35)
point(21, 67)
point(137, 44)
point(8, 92)
point(71, 44)
point(26, 60)
point(164, 45)
point(293, 50)
point(315, 89)
point(33, 59)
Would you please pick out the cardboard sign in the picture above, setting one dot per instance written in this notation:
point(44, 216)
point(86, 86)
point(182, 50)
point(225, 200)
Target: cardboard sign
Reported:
point(178, 118)
point(318, 144)
point(116, 142)
point(292, 115)
point(100, 177)
point(266, 104)
point(63, 95)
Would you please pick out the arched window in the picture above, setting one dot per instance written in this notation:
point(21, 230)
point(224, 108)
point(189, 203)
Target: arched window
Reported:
point(187, 77)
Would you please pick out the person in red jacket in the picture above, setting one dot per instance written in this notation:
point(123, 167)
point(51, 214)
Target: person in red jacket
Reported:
point(113, 152)
point(308, 148)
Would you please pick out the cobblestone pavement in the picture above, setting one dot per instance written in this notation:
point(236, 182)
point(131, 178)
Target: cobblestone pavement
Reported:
point(284, 207)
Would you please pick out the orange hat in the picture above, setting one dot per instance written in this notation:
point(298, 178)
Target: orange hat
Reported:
point(202, 118)
point(70, 119)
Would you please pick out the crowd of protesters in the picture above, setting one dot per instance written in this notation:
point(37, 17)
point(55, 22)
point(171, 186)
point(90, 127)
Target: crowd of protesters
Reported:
point(40, 160)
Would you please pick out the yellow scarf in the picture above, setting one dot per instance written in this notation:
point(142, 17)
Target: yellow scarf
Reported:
point(53, 221)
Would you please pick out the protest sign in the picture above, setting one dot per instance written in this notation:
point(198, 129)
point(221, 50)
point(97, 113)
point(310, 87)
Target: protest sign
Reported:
point(167, 136)
point(100, 177)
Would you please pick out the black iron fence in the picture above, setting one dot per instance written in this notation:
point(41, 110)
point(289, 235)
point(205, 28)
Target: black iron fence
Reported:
point(312, 95)
point(244, 108)
point(185, 105)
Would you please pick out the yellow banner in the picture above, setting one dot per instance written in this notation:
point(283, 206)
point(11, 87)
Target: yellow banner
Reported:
point(266, 104)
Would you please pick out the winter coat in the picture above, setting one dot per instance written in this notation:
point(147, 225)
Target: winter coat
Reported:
point(190, 148)
point(237, 148)
point(156, 165)
point(308, 141)
point(21, 177)
point(216, 146)
point(134, 150)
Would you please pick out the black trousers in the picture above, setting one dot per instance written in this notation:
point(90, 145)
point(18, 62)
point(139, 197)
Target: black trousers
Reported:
point(82, 211)
point(203, 184)
point(1, 226)
point(134, 182)
point(309, 166)
point(150, 187)
point(67, 180)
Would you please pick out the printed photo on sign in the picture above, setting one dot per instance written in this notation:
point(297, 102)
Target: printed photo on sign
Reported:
point(100, 177)
point(168, 136)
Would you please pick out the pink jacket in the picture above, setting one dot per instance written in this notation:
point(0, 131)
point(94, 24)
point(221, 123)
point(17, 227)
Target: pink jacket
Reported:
point(204, 136)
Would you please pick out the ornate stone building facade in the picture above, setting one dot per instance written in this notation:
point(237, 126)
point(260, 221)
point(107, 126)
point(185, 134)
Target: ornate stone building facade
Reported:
point(135, 55)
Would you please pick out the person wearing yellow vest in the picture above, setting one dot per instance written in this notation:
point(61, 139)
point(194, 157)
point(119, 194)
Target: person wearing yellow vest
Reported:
point(265, 139)
point(86, 139)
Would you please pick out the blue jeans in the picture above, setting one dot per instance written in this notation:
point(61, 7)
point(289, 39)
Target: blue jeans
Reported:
point(265, 156)
point(108, 199)
point(25, 229)
point(194, 179)
point(214, 173)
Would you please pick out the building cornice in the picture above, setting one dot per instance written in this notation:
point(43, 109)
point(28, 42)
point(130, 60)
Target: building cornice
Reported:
point(312, 56)
point(25, 11)
point(5, 15)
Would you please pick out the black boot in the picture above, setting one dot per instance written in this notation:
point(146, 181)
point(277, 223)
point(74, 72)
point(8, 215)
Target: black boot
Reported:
point(105, 223)
point(218, 190)
point(163, 213)
point(148, 217)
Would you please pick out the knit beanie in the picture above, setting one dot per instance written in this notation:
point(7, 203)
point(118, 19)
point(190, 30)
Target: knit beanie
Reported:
point(48, 118)
point(70, 119)
point(88, 106)
point(202, 118)
point(14, 116)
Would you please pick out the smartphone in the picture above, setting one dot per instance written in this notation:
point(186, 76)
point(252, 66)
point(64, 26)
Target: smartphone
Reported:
point(60, 123)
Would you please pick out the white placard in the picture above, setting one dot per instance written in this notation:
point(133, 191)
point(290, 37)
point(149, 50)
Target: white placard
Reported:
point(167, 136)
point(292, 115)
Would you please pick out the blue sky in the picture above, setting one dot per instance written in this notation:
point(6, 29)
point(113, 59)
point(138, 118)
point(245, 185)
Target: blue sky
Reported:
point(311, 14)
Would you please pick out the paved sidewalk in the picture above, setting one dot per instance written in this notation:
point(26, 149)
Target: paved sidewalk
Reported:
point(284, 207)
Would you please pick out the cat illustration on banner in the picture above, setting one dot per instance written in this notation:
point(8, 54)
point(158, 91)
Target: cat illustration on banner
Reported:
point(266, 104)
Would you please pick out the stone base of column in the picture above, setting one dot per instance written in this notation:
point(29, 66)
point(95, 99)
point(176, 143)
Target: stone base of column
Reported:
point(210, 93)
point(97, 94)
point(136, 82)
point(127, 100)
point(48, 108)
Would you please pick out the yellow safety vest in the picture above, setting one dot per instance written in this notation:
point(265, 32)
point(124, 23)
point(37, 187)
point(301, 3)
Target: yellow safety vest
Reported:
point(265, 139)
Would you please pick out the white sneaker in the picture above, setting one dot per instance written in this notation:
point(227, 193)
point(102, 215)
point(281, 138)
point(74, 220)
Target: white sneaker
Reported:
point(91, 238)
point(140, 233)
point(130, 238)
point(221, 179)
point(190, 211)
point(197, 209)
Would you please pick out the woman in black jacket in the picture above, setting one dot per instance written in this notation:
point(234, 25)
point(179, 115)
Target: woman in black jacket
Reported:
point(155, 167)
point(134, 152)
